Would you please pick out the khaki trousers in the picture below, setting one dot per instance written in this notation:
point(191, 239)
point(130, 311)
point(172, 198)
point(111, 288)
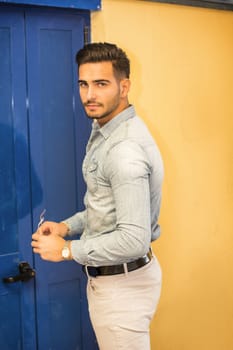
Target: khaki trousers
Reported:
point(122, 306)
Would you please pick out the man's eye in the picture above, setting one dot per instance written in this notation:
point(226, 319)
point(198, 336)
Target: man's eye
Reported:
point(82, 84)
point(101, 84)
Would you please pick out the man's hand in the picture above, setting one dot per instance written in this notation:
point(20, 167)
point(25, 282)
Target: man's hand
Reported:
point(48, 246)
point(51, 227)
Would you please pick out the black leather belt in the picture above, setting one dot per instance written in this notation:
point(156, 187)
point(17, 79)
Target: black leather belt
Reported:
point(117, 269)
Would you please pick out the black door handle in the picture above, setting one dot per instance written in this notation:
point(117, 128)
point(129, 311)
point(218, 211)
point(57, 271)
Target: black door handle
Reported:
point(25, 274)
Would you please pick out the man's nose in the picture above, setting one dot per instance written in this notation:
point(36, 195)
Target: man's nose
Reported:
point(91, 93)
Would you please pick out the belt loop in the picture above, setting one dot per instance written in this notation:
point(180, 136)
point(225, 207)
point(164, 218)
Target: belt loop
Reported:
point(125, 268)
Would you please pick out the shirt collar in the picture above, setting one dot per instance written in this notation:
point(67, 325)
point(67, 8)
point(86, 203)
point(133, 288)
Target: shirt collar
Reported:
point(109, 127)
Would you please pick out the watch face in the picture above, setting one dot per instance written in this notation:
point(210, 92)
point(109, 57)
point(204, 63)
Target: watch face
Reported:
point(65, 253)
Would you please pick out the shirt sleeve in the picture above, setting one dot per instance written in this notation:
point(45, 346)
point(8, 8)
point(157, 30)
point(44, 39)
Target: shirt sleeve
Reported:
point(127, 170)
point(76, 223)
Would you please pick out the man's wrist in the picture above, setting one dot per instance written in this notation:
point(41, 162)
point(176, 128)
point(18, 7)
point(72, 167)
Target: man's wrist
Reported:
point(65, 230)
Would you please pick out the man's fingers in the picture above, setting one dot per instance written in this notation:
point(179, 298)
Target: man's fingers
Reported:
point(44, 229)
point(36, 236)
point(36, 250)
point(35, 247)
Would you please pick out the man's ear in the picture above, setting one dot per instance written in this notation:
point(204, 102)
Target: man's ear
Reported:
point(124, 87)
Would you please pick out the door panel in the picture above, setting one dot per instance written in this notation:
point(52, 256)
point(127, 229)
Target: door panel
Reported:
point(16, 301)
point(58, 145)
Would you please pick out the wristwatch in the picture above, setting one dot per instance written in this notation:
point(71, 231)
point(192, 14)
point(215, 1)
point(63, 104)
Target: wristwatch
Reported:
point(66, 254)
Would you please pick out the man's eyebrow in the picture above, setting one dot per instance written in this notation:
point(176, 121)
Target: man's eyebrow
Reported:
point(95, 81)
point(101, 81)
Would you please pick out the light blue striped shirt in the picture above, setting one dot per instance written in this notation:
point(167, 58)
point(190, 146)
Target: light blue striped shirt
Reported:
point(123, 171)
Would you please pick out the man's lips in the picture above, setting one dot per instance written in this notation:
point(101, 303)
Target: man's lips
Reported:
point(92, 105)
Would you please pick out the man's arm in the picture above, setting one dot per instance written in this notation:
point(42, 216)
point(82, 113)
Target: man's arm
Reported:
point(127, 170)
point(48, 240)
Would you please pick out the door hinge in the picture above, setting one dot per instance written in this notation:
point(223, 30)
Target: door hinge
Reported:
point(86, 34)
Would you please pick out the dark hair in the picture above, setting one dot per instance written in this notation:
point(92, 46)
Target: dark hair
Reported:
point(105, 52)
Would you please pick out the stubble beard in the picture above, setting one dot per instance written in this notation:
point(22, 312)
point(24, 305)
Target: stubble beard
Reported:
point(106, 114)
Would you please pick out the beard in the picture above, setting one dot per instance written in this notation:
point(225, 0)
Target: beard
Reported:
point(106, 110)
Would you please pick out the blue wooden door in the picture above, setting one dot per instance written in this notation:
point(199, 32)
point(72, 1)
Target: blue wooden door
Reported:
point(43, 133)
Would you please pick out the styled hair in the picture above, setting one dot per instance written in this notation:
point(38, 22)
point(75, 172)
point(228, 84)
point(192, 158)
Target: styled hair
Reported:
point(105, 52)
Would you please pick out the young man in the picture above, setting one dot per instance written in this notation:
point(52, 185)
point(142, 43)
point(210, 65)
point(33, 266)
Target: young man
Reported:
point(123, 172)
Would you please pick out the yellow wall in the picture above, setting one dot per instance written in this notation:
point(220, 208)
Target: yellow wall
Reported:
point(182, 86)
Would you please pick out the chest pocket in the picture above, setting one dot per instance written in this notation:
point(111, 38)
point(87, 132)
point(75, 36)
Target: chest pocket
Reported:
point(91, 176)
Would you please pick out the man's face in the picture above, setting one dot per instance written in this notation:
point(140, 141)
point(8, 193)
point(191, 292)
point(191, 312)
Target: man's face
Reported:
point(103, 96)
